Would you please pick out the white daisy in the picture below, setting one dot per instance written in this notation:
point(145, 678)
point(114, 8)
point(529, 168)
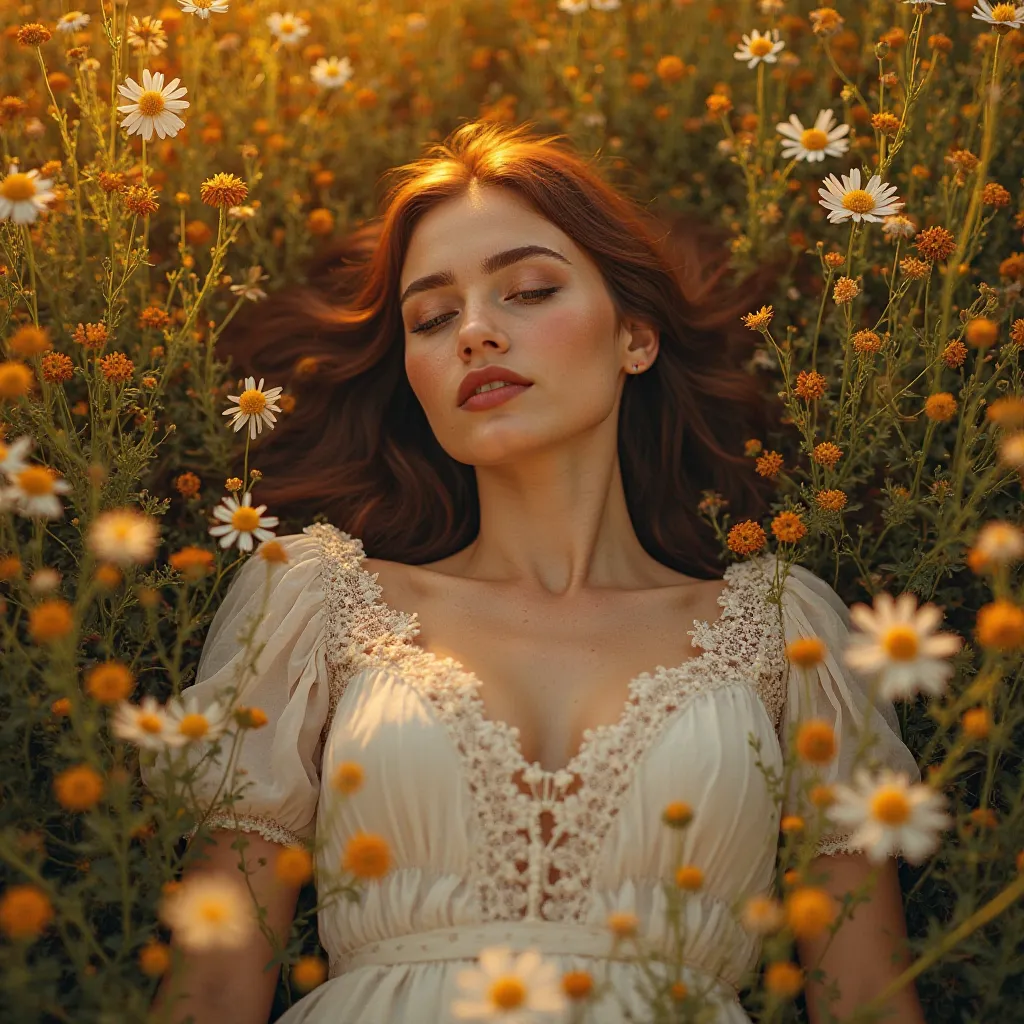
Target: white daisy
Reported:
point(756, 47)
point(188, 723)
point(24, 195)
point(152, 106)
point(33, 492)
point(241, 212)
point(873, 202)
point(888, 814)
point(921, 4)
point(249, 289)
point(824, 139)
point(289, 28)
point(123, 536)
point(210, 910)
point(899, 645)
point(331, 73)
point(204, 7)
point(254, 405)
point(73, 21)
point(898, 225)
point(145, 724)
point(572, 7)
point(241, 522)
point(1004, 16)
point(999, 541)
point(12, 456)
point(770, 7)
point(513, 989)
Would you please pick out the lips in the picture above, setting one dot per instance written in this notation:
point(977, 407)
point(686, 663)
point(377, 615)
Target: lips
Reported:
point(487, 375)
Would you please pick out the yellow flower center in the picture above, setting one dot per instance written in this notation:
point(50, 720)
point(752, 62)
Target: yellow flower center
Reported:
point(1004, 12)
point(151, 103)
point(194, 726)
point(760, 46)
point(245, 519)
point(149, 722)
point(36, 481)
point(901, 643)
point(4, 451)
point(17, 187)
point(203, 5)
point(287, 25)
point(212, 910)
point(814, 139)
point(859, 201)
point(252, 401)
point(890, 806)
point(507, 993)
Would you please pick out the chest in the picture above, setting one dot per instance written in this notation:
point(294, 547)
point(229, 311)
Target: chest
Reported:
point(550, 669)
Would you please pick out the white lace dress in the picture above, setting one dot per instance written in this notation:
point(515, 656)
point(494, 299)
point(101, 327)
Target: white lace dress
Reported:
point(488, 849)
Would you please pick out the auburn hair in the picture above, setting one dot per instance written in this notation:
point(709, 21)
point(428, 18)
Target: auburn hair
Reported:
point(357, 449)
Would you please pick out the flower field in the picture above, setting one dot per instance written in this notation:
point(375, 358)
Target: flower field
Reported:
point(167, 166)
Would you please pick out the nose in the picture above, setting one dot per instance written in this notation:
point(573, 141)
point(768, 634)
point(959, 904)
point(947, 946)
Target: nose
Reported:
point(478, 335)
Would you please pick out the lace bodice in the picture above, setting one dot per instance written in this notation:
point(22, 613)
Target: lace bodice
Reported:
point(519, 871)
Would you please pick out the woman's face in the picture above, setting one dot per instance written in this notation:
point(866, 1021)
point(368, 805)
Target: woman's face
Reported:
point(563, 339)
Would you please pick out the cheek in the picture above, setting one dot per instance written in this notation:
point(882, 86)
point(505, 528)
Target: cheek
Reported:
point(425, 378)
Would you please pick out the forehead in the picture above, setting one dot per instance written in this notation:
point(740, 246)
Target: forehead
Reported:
point(459, 232)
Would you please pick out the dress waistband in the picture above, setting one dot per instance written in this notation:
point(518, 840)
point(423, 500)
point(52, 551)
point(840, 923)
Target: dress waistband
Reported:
point(464, 942)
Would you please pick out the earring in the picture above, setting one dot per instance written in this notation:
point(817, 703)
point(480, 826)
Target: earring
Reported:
point(636, 366)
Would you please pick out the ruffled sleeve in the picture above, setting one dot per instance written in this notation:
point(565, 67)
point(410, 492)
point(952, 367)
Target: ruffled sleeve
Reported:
point(830, 691)
point(278, 765)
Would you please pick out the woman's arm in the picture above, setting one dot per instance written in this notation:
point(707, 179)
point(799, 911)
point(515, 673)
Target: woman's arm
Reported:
point(232, 985)
point(868, 951)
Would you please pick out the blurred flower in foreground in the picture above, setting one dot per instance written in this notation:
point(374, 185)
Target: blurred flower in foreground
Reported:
point(824, 139)
point(756, 47)
point(331, 73)
point(187, 723)
point(12, 456)
point(209, 911)
point(24, 195)
point(873, 202)
point(511, 988)
point(249, 289)
point(288, 28)
point(123, 536)
point(573, 6)
point(72, 21)
point(145, 724)
point(152, 106)
point(254, 406)
point(898, 643)
point(33, 492)
point(204, 7)
point(240, 523)
point(890, 814)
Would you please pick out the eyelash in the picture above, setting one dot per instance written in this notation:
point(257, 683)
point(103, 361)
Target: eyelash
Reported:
point(434, 322)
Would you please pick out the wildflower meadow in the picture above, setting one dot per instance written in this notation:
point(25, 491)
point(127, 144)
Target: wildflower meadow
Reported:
point(165, 166)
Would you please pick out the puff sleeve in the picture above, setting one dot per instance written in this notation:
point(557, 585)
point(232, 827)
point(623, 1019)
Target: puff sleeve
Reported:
point(277, 765)
point(830, 691)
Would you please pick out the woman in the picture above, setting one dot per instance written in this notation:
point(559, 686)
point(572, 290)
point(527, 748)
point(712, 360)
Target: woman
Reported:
point(535, 545)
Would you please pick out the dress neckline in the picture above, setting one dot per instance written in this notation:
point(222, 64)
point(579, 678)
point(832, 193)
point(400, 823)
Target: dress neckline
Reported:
point(470, 683)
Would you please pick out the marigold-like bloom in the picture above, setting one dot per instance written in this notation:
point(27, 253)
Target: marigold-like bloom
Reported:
point(940, 407)
point(751, 447)
point(110, 682)
point(887, 124)
point(806, 651)
point(760, 320)
point(677, 814)
point(785, 979)
point(293, 865)
point(1017, 332)
point(320, 221)
point(788, 527)
point(866, 342)
point(187, 484)
point(34, 34)
point(1013, 267)
point(954, 354)
point(25, 911)
point(769, 465)
point(91, 336)
point(348, 777)
point(981, 332)
point(223, 190)
point(28, 341)
point(623, 924)
point(827, 454)
point(670, 69)
point(577, 984)
point(816, 742)
point(113, 181)
point(308, 973)
point(689, 877)
point(826, 21)
point(367, 856)
point(57, 368)
point(718, 105)
point(1007, 412)
point(78, 788)
point(746, 538)
point(141, 200)
point(810, 911)
point(810, 385)
point(935, 244)
point(117, 367)
point(763, 915)
point(846, 290)
point(1000, 625)
point(50, 620)
point(976, 723)
point(915, 269)
point(994, 194)
point(832, 500)
point(154, 959)
point(153, 317)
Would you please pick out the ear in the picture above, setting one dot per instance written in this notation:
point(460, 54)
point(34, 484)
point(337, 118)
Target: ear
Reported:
point(641, 342)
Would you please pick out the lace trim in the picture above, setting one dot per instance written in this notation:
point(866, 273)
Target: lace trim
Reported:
point(836, 842)
point(266, 827)
point(745, 644)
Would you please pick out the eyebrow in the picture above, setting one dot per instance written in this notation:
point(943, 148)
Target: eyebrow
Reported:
point(489, 265)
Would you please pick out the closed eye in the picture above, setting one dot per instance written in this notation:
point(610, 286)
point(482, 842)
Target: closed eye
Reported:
point(534, 295)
